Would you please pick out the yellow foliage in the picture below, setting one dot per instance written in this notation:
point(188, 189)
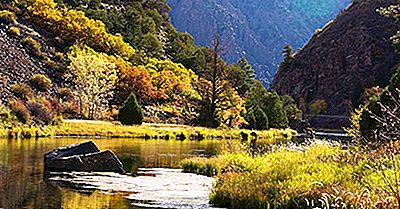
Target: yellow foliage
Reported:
point(93, 76)
point(72, 25)
point(171, 79)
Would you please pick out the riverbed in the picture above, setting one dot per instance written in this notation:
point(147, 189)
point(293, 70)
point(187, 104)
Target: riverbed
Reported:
point(156, 180)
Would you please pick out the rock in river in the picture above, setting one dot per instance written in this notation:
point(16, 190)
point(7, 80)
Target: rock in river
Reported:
point(82, 157)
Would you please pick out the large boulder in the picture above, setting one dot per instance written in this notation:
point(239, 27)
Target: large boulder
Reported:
point(82, 157)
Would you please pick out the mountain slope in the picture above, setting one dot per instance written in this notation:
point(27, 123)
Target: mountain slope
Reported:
point(256, 29)
point(348, 56)
point(17, 65)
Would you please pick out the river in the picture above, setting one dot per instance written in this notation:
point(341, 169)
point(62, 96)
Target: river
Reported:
point(159, 183)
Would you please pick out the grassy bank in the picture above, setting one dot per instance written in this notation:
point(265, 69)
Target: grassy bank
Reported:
point(321, 175)
point(147, 131)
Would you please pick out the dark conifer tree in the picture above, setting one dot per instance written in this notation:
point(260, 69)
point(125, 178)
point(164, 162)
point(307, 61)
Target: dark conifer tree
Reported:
point(131, 113)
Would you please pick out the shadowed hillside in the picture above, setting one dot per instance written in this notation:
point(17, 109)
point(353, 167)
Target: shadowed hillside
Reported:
point(349, 55)
point(256, 29)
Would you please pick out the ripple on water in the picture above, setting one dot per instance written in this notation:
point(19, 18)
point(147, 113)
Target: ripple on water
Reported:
point(160, 188)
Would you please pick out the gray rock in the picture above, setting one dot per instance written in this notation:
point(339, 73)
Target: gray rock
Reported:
point(82, 157)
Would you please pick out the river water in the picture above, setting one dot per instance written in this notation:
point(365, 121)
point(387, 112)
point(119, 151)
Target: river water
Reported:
point(159, 183)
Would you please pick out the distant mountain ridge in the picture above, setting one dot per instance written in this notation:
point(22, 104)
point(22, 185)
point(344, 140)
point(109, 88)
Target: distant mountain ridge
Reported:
point(256, 29)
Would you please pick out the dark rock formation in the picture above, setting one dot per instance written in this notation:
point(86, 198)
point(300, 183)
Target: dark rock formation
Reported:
point(258, 29)
point(82, 157)
point(349, 55)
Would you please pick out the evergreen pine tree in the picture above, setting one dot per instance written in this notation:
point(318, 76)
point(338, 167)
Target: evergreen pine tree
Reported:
point(250, 75)
point(288, 57)
point(131, 113)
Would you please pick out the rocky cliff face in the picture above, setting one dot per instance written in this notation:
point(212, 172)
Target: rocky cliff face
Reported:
point(256, 29)
point(349, 55)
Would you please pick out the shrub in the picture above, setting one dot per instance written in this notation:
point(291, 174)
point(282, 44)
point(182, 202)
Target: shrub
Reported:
point(20, 111)
point(60, 56)
point(65, 94)
point(131, 113)
point(319, 107)
point(7, 17)
point(22, 91)
point(51, 64)
point(41, 115)
point(5, 115)
point(281, 179)
point(34, 45)
point(14, 31)
point(71, 110)
point(41, 82)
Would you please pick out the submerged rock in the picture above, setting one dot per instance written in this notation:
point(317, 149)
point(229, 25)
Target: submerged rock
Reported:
point(82, 157)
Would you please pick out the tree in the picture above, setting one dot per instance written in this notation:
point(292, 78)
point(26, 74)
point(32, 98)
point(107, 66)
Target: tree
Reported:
point(381, 114)
point(394, 12)
point(293, 113)
point(133, 79)
point(256, 117)
point(93, 77)
point(72, 25)
point(319, 107)
point(236, 77)
point(213, 86)
point(262, 102)
point(241, 76)
point(380, 117)
point(250, 75)
point(288, 58)
point(172, 81)
point(273, 107)
point(131, 112)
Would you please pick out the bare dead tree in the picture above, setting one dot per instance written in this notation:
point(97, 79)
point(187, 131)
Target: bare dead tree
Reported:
point(388, 121)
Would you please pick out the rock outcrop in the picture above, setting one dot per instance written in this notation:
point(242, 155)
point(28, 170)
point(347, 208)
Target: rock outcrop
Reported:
point(350, 54)
point(256, 29)
point(82, 157)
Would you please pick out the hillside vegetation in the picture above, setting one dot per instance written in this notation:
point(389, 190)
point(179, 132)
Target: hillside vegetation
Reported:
point(97, 53)
point(256, 29)
point(341, 62)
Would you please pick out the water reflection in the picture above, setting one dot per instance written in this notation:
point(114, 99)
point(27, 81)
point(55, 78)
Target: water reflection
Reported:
point(161, 188)
point(21, 170)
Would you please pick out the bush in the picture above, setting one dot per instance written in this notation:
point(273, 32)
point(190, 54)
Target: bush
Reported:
point(5, 115)
point(71, 110)
point(319, 107)
point(65, 94)
point(34, 45)
point(284, 178)
point(41, 115)
point(51, 64)
point(7, 17)
point(22, 91)
point(20, 111)
point(131, 113)
point(41, 82)
point(14, 31)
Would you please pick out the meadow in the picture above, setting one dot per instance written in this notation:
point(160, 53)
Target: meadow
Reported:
point(77, 128)
point(321, 174)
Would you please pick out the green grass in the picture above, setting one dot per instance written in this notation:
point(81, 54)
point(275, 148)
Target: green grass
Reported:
point(24, 131)
point(321, 175)
point(147, 131)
